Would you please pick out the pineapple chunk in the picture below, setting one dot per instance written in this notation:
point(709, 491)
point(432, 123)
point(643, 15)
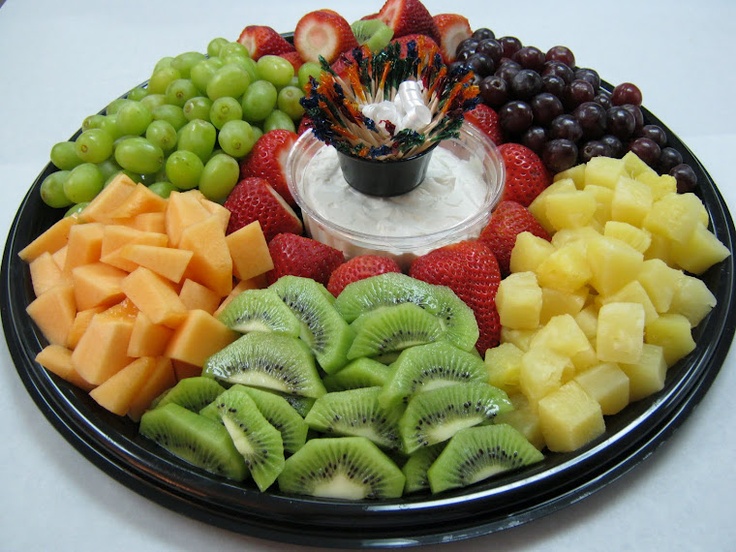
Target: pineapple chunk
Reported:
point(574, 209)
point(587, 320)
point(613, 264)
point(636, 237)
point(604, 198)
point(562, 335)
point(524, 418)
point(607, 384)
point(659, 184)
point(520, 338)
point(633, 292)
point(538, 207)
point(503, 363)
point(566, 269)
point(519, 300)
point(635, 166)
point(660, 248)
point(673, 333)
point(604, 171)
point(660, 282)
point(570, 418)
point(692, 299)
point(569, 235)
point(701, 250)
point(647, 375)
point(675, 216)
point(620, 335)
point(528, 253)
point(631, 202)
point(576, 174)
point(543, 371)
point(556, 302)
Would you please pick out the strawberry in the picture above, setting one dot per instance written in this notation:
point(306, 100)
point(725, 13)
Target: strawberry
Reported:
point(408, 17)
point(526, 175)
point(471, 270)
point(305, 125)
point(323, 33)
point(358, 268)
point(294, 58)
point(486, 119)
point(508, 220)
point(261, 40)
point(452, 28)
point(267, 159)
point(302, 256)
point(253, 199)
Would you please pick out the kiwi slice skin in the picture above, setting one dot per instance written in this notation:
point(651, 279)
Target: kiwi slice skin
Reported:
point(361, 372)
point(373, 33)
point(415, 468)
point(195, 439)
point(192, 393)
point(348, 468)
point(281, 415)
point(477, 453)
point(259, 310)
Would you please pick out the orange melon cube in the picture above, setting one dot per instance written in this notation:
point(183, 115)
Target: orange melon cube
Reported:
point(110, 198)
point(198, 337)
point(117, 392)
point(150, 222)
point(159, 380)
point(249, 251)
point(50, 240)
point(214, 208)
point(53, 312)
point(155, 296)
point(45, 273)
point(140, 200)
point(147, 338)
point(102, 349)
point(58, 360)
point(84, 245)
point(80, 324)
point(165, 261)
point(97, 284)
point(211, 264)
point(182, 210)
point(117, 236)
point(184, 370)
point(196, 296)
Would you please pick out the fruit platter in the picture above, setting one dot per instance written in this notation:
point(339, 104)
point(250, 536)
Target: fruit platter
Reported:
point(400, 267)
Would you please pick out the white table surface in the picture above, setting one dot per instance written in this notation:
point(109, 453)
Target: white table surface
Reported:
point(63, 60)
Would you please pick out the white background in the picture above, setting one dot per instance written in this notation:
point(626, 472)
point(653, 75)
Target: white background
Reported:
point(63, 60)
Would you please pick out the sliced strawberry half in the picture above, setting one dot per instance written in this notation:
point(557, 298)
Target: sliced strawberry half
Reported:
point(268, 159)
point(408, 17)
point(261, 40)
point(453, 28)
point(323, 33)
point(302, 256)
point(358, 268)
point(485, 119)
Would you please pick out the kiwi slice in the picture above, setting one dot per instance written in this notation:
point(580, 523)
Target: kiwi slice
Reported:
point(415, 468)
point(461, 326)
point(373, 33)
point(254, 437)
point(477, 453)
point(361, 372)
point(322, 328)
point(430, 366)
point(195, 439)
point(349, 468)
point(435, 416)
point(356, 412)
point(259, 310)
point(393, 328)
point(267, 360)
point(192, 393)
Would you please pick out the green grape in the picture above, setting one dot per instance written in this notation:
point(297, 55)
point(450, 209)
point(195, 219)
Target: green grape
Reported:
point(94, 145)
point(223, 110)
point(163, 63)
point(257, 132)
point(162, 188)
point(229, 80)
point(198, 136)
point(184, 62)
point(215, 45)
point(161, 78)
point(76, 209)
point(197, 108)
point(184, 168)
point(233, 48)
point(83, 183)
point(171, 113)
point(219, 177)
point(108, 167)
point(258, 101)
point(251, 67)
point(288, 101)
point(139, 155)
point(202, 72)
point(162, 134)
point(52, 189)
point(179, 91)
point(275, 70)
point(278, 119)
point(133, 118)
point(152, 101)
point(306, 70)
point(236, 138)
point(108, 123)
point(115, 105)
point(138, 93)
point(64, 155)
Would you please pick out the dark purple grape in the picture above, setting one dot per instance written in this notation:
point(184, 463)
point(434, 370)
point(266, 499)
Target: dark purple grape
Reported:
point(468, 45)
point(592, 119)
point(530, 57)
point(494, 91)
point(562, 54)
point(565, 126)
point(656, 133)
point(626, 93)
point(615, 144)
point(483, 33)
point(515, 117)
point(637, 113)
point(686, 178)
point(526, 84)
point(492, 48)
point(464, 55)
point(481, 64)
point(560, 154)
point(604, 98)
point(546, 107)
point(534, 138)
point(507, 69)
point(510, 45)
point(620, 122)
point(577, 92)
point(589, 75)
point(554, 84)
point(668, 160)
point(560, 69)
point(594, 148)
point(647, 150)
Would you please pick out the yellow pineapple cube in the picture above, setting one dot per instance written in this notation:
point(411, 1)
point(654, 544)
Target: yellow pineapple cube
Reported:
point(608, 384)
point(636, 237)
point(519, 300)
point(566, 236)
point(659, 184)
point(604, 198)
point(620, 335)
point(692, 299)
point(556, 302)
point(543, 371)
point(520, 338)
point(587, 320)
point(566, 269)
point(562, 335)
point(524, 418)
point(604, 171)
point(576, 174)
point(675, 216)
point(613, 264)
point(633, 292)
point(570, 418)
point(631, 202)
point(660, 282)
point(635, 166)
point(660, 248)
point(701, 250)
point(585, 359)
point(673, 333)
point(647, 375)
point(528, 252)
point(574, 209)
point(503, 363)
point(538, 207)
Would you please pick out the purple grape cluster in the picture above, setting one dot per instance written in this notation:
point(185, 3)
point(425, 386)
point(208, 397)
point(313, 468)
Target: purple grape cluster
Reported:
point(561, 111)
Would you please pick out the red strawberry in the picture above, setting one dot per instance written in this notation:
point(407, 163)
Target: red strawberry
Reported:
point(358, 268)
point(471, 270)
point(294, 58)
point(486, 119)
point(261, 40)
point(508, 220)
point(342, 61)
point(304, 125)
point(253, 199)
point(452, 28)
point(302, 256)
point(408, 17)
point(323, 33)
point(267, 159)
point(526, 175)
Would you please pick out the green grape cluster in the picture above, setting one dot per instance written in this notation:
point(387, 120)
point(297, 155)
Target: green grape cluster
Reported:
point(188, 127)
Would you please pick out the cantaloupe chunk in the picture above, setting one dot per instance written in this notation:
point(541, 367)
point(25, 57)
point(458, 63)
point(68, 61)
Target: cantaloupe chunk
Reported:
point(211, 264)
point(164, 261)
point(117, 393)
point(109, 199)
point(196, 296)
point(149, 222)
point(249, 251)
point(214, 208)
point(60, 257)
point(147, 338)
point(198, 337)
point(97, 284)
point(45, 273)
point(84, 245)
point(159, 380)
point(53, 312)
point(155, 296)
point(51, 240)
point(140, 200)
point(184, 370)
point(102, 350)
point(183, 210)
point(58, 359)
point(80, 324)
point(117, 236)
